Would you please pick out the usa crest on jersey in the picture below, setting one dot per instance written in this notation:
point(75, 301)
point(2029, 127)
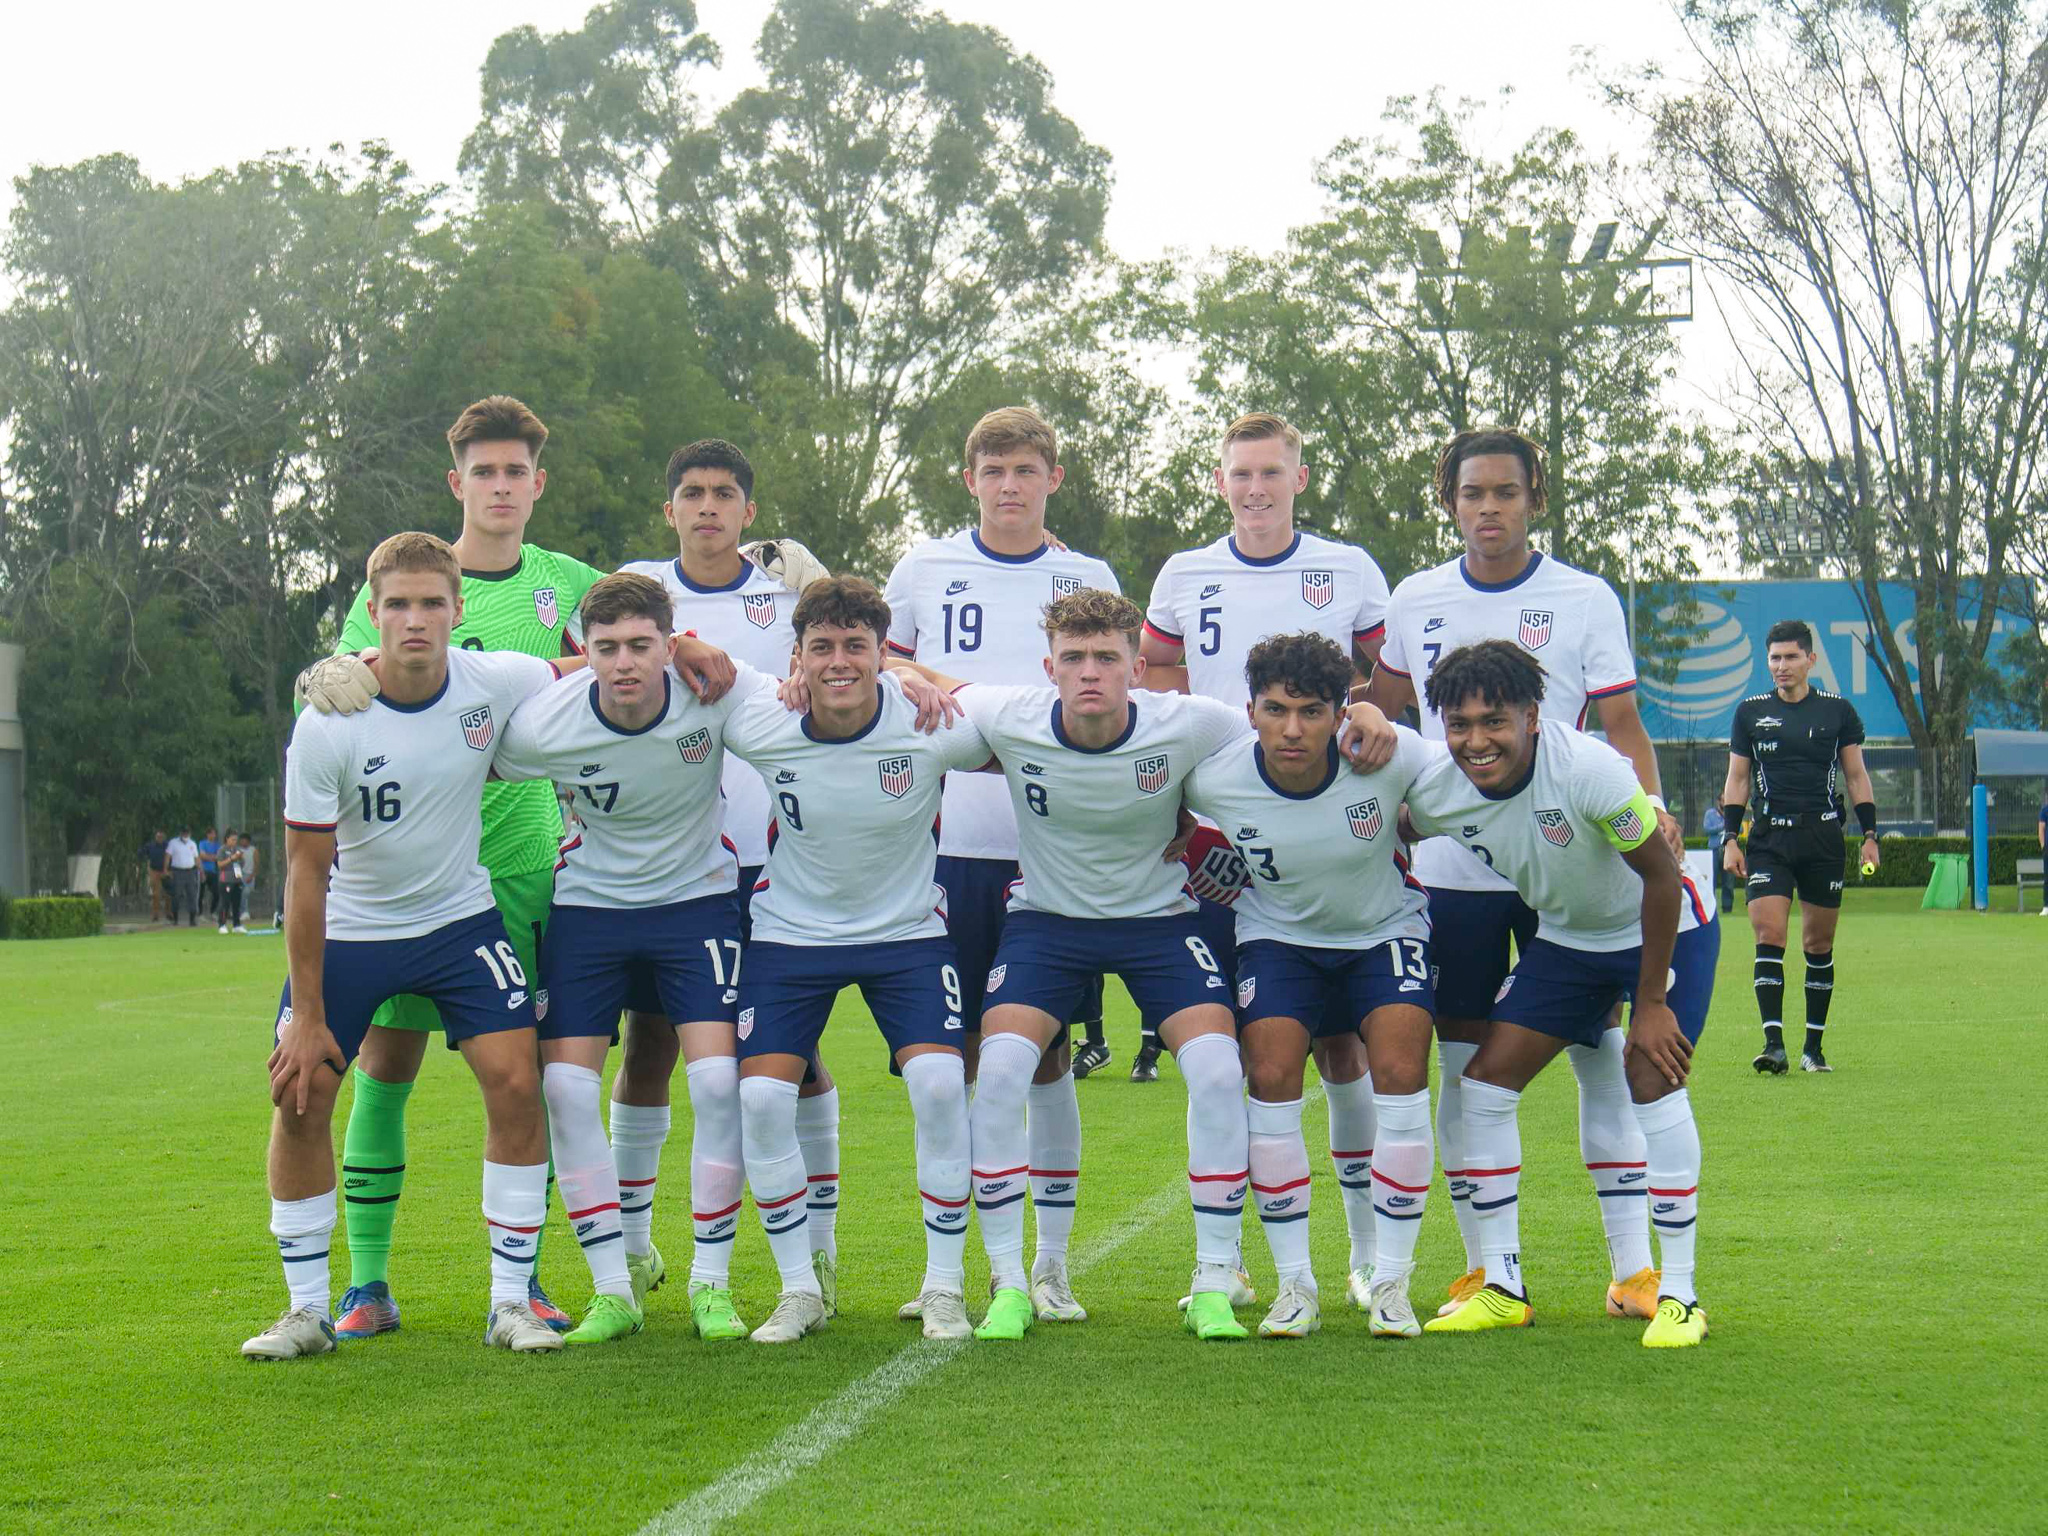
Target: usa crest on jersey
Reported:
point(1065, 586)
point(1151, 774)
point(1628, 826)
point(1317, 588)
point(895, 773)
point(544, 606)
point(760, 608)
point(695, 747)
point(1365, 818)
point(1556, 828)
point(477, 729)
point(1534, 633)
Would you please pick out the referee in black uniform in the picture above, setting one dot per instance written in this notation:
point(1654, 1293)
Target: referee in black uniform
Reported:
point(1798, 748)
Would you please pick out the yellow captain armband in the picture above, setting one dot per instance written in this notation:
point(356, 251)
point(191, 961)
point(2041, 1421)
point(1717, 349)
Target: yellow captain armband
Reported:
point(1633, 825)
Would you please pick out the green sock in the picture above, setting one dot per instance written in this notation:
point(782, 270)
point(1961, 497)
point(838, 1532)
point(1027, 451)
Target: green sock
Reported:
point(373, 1174)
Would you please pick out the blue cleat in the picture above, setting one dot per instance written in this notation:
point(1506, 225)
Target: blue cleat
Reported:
point(546, 1310)
point(366, 1311)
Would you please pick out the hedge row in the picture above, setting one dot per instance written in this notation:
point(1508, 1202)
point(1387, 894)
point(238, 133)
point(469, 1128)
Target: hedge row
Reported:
point(51, 917)
point(1904, 859)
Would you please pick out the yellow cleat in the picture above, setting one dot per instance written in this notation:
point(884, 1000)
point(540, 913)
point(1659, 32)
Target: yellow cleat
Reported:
point(1676, 1325)
point(1634, 1297)
point(1488, 1307)
point(1462, 1289)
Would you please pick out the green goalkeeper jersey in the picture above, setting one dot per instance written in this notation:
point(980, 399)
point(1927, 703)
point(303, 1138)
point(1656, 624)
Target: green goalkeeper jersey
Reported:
point(528, 609)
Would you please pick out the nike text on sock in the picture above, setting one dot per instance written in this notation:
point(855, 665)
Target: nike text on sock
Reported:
point(937, 1085)
point(304, 1230)
point(717, 1167)
point(638, 1133)
point(1453, 1056)
point(817, 1134)
point(1000, 1152)
point(590, 1183)
point(1493, 1149)
point(1400, 1178)
point(1674, 1148)
point(373, 1173)
point(1769, 978)
point(775, 1172)
point(1352, 1135)
point(515, 1204)
point(1052, 1123)
point(1219, 1164)
point(1280, 1182)
point(1611, 1145)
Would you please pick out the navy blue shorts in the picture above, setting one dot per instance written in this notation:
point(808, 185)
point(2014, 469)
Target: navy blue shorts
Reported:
point(1470, 932)
point(1046, 961)
point(1570, 992)
point(750, 876)
point(1330, 991)
point(475, 993)
point(912, 988)
point(977, 894)
point(681, 960)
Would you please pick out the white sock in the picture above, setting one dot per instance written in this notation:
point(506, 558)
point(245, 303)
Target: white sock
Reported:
point(1052, 1124)
point(1400, 1177)
point(1278, 1158)
point(1673, 1137)
point(1453, 1057)
point(817, 1134)
point(515, 1205)
point(937, 1083)
point(304, 1230)
point(775, 1171)
point(717, 1166)
point(583, 1168)
point(1219, 1158)
point(1493, 1154)
point(638, 1131)
point(1611, 1144)
point(1001, 1156)
point(1351, 1152)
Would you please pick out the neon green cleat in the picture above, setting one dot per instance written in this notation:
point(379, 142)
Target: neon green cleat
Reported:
point(711, 1309)
point(608, 1318)
point(1209, 1317)
point(1009, 1316)
point(646, 1271)
point(1676, 1325)
point(1488, 1307)
point(826, 1268)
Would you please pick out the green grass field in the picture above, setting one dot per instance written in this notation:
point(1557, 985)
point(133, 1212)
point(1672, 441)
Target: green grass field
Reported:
point(1863, 1246)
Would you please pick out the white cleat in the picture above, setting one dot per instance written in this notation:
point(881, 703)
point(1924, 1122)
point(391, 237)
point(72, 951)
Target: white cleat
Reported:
point(1393, 1315)
point(911, 1310)
point(1297, 1312)
point(514, 1325)
point(945, 1315)
point(826, 1268)
point(300, 1331)
point(796, 1314)
point(1052, 1298)
point(1358, 1288)
point(1239, 1291)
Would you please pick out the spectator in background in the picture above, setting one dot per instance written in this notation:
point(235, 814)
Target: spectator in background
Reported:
point(1715, 825)
point(181, 854)
point(152, 855)
point(231, 883)
point(209, 872)
point(2041, 834)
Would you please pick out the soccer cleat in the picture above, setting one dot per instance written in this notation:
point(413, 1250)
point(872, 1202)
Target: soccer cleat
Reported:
point(796, 1314)
point(1634, 1297)
point(1208, 1318)
point(300, 1331)
point(223, 927)
point(1092, 1057)
point(826, 1268)
point(945, 1315)
point(711, 1309)
point(1770, 1059)
point(1239, 1291)
point(1488, 1307)
point(1145, 1067)
point(514, 1325)
point(1813, 1061)
point(1461, 1290)
point(1358, 1287)
point(1052, 1298)
point(1296, 1313)
point(646, 1271)
point(366, 1311)
point(1009, 1315)
point(911, 1310)
point(1392, 1313)
point(609, 1317)
point(1676, 1325)
point(546, 1310)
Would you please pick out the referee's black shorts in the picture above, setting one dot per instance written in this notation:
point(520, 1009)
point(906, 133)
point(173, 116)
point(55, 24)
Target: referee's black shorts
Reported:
point(1802, 855)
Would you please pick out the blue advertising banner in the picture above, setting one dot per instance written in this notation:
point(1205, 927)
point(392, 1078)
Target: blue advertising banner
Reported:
point(1725, 664)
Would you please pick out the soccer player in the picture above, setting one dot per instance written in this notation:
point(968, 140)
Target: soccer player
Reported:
point(1209, 607)
point(849, 898)
point(1491, 481)
point(1565, 818)
point(1332, 935)
point(388, 800)
point(1800, 748)
point(969, 607)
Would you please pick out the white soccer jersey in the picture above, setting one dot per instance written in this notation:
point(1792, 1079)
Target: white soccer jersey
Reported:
point(961, 608)
point(648, 800)
point(1094, 823)
point(1568, 620)
point(1217, 604)
point(852, 855)
point(401, 787)
point(748, 619)
point(1326, 868)
point(1554, 838)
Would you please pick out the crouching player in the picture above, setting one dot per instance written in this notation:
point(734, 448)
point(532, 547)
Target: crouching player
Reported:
point(1563, 816)
point(395, 792)
point(1331, 928)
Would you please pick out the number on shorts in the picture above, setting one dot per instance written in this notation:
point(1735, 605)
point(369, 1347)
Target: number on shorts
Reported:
point(720, 975)
point(793, 813)
point(950, 980)
point(504, 965)
point(1408, 959)
point(1203, 957)
point(1034, 796)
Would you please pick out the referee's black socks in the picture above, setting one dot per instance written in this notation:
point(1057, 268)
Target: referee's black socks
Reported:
point(1820, 987)
point(1770, 991)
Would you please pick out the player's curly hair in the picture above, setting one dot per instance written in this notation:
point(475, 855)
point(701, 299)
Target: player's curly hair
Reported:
point(844, 602)
point(1092, 611)
point(414, 552)
point(1308, 665)
point(1498, 671)
point(1484, 440)
point(628, 595)
point(497, 419)
point(711, 453)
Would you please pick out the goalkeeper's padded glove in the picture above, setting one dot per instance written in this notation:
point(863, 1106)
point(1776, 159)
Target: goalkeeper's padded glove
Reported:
point(787, 561)
point(340, 685)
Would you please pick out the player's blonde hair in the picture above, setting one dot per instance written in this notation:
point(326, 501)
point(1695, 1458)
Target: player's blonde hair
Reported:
point(627, 595)
point(1092, 611)
point(405, 552)
point(1012, 429)
point(497, 419)
point(1257, 427)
